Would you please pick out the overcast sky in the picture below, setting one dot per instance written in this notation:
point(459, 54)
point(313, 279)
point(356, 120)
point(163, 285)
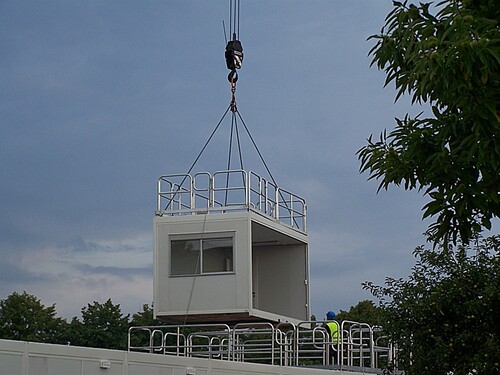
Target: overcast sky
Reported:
point(100, 98)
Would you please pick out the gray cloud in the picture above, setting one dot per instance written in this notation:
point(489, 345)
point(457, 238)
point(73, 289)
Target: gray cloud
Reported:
point(125, 273)
point(14, 276)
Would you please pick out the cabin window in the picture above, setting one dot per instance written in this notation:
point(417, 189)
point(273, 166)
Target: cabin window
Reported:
point(201, 256)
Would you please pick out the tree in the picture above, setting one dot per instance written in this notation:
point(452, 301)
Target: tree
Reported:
point(102, 326)
point(144, 317)
point(444, 317)
point(448, 56)
point(364, 312)
point(24, 317)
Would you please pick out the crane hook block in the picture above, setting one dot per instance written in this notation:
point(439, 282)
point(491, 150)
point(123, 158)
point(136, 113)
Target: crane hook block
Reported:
point(234, 54)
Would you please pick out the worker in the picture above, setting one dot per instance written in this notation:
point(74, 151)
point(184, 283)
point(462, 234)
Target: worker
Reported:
point(333, 330)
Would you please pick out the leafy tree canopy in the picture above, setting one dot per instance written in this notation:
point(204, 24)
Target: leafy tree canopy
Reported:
point(24, 317)
point(444, 317)
point(446, 55)
point(145, 317)
point(364, 312)
point(103, 326)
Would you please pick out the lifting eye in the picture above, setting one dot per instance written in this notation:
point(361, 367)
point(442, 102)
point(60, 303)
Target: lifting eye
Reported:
point(232, 77)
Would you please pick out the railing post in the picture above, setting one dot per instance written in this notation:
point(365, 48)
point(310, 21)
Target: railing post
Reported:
point(211, 192)
point(266, 197)
point(276, 203)
point(260, 193)
point(191, 193)
point(158, 202)
point(247, 189)
point(304, 214)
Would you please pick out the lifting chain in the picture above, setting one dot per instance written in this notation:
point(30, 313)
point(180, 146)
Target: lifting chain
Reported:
point(234, 59)
point(232, 78)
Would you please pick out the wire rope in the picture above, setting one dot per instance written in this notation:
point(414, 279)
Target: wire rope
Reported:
point(256, 148)
point(239, 145)
point(234, 18)
point(197, 158)
point(264, 162)
point(238, 18)
point(234, 129)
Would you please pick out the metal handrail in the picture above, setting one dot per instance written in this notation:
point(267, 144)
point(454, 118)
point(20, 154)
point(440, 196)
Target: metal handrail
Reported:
point(184, 194)
point(305, 344)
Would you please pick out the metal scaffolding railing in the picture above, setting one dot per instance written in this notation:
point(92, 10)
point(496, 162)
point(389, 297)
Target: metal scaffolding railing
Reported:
point(229, 191)
point(360, 347)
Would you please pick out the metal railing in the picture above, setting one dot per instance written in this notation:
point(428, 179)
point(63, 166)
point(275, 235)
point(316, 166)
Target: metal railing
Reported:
point(226, 191)
point(360, 347)
point(208, 341)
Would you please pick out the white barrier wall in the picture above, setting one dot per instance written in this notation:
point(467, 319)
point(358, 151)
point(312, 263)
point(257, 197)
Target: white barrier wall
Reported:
point(26, 358)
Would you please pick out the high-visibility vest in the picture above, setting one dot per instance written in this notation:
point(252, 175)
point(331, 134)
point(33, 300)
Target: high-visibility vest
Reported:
point(333, 330)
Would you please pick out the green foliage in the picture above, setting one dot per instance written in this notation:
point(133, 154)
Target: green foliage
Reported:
point(144, 317)
point(446, 55)
point(24, 317)
point(102, 326)
point(364, 312)
point(444, 318)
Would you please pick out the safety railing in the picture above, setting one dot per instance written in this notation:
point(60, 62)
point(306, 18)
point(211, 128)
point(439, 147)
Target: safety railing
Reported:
point(207, 341)
point(229, 191)
point(359, 348)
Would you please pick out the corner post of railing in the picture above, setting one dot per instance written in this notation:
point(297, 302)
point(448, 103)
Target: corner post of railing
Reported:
point(341, 346)
point(277, 203)
point(296, 351)
point(266, 198)
point(128, 339)
point(191, 193)
point(247, 189)
point(294, 347)
point(273, 335)
point(261, 202)
point(151, 341)
point(211, 191)
point(158, 197)
point(372, 348)
point(305, 216)
point(260, 192)
point(232, 347)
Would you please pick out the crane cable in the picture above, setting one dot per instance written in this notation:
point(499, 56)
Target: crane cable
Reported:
point(234, 49)
point(234, 60)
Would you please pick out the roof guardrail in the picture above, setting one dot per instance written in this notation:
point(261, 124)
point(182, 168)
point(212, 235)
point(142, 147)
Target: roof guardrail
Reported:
point(229, 191)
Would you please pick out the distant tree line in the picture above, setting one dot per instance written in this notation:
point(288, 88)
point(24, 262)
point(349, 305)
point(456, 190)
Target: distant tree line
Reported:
point(102, 325)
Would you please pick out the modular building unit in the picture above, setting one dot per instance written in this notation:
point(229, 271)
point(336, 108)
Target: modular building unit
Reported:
point(232, 261)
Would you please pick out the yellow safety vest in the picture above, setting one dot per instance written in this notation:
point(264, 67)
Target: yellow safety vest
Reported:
point(333, 329)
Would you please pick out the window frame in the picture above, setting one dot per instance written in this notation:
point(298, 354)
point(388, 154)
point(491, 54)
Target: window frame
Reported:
point(201, 238)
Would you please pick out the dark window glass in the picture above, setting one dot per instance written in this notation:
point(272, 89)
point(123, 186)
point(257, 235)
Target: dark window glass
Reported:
point(185, 256)
point(194, 257)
